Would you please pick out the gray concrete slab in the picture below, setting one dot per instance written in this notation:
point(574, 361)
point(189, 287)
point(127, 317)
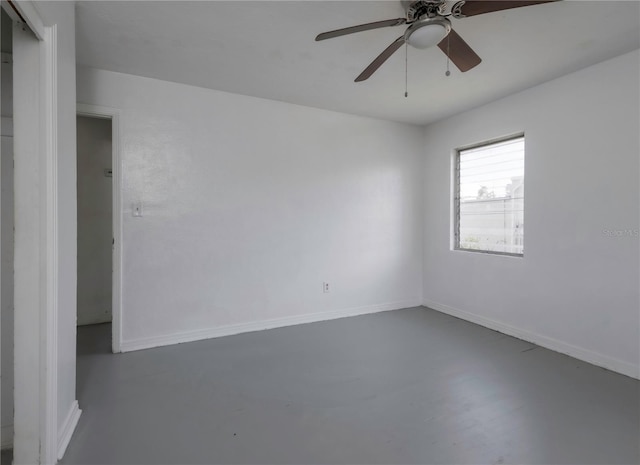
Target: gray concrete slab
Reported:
point(409, 386)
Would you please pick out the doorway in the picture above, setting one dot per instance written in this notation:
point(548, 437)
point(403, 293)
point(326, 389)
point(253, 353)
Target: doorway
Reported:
point(95, 224)
point(98, 151)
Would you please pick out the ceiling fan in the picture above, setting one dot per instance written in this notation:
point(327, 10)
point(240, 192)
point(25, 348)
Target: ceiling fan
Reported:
point(429, 24)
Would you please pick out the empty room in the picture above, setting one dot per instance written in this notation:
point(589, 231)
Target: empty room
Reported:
point(269, 232)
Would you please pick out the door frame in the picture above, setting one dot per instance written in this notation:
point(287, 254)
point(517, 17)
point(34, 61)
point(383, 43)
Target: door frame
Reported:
point(36, 429)
point(113, 114)
point(24, 12)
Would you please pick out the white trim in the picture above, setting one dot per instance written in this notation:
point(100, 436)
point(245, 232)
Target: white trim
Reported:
point(67, 429)
point(35, 402)
point(10, 11)
point(6, 437)
point(580, 353)
point(27, 10)
point(228, 330)
point(97, 111)
point(50, 317)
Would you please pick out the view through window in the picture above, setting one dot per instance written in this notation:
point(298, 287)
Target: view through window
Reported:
point(489, 201)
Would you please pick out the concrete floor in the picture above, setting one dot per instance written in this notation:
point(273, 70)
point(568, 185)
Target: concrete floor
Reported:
point(409, 386)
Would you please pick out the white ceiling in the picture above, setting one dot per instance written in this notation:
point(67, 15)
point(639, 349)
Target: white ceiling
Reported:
point(267, 49)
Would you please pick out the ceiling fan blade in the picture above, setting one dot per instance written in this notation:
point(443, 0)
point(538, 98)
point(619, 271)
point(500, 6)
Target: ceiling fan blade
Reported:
point(459, 52)
point(384, 56)
point(479, 7)
point(360, 28)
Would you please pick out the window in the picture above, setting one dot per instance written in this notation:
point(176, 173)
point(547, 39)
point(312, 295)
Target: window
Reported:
point(489, 197)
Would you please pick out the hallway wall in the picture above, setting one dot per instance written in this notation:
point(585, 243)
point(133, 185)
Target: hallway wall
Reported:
point(95, 232)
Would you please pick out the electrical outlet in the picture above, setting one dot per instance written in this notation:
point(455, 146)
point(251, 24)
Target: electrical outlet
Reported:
point(325, 287)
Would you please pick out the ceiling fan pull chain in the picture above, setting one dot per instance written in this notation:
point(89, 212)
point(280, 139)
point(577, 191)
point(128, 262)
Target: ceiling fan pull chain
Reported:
point(448, 73)
point(406, 68)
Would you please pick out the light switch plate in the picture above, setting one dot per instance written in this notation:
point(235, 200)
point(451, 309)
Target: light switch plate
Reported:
point(136, 209)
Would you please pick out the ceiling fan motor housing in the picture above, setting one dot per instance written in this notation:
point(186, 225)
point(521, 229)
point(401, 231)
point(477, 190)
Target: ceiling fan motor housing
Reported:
point(423, 9)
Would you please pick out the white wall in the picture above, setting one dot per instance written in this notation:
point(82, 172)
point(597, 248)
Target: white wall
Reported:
point(576, 289)
point(44, 402)
point(6, 288)
point(94, 220)
point(250, 204)
point(29, 277)
point(62, 14)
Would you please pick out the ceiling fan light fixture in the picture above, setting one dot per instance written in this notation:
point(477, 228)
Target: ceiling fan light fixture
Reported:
point(428, 32)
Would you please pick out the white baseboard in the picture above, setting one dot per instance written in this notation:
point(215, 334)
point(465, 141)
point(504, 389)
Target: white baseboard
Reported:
point(580, 353)
point(6, 437)
point(229, 330)
point(67, 428)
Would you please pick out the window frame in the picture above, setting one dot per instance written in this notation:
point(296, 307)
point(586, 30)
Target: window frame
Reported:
point(456, 193)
